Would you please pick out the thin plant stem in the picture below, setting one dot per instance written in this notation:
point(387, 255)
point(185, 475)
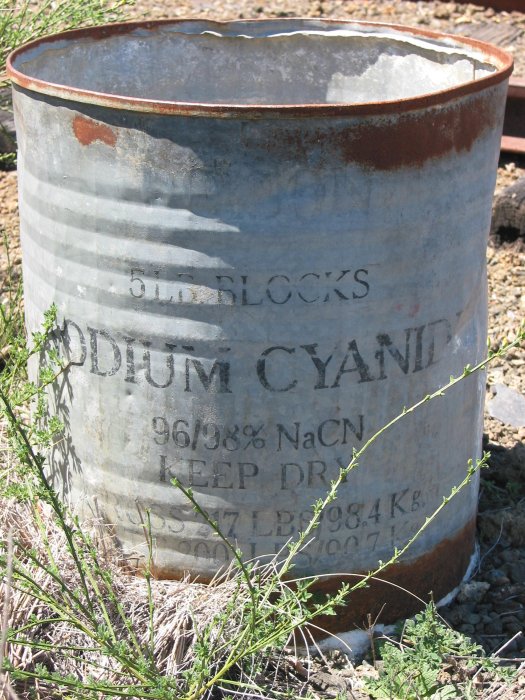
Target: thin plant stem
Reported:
point(7, 599)
point(321, 505)
point(188, 492)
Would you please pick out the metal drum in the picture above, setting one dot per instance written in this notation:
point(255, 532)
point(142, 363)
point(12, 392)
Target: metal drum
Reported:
point(264, 239)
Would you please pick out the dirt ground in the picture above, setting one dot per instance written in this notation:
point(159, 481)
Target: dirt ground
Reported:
point(496, 619)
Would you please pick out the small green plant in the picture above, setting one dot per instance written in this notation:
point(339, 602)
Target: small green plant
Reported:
point(413, 668)
point(11, 320)
point(7, 160)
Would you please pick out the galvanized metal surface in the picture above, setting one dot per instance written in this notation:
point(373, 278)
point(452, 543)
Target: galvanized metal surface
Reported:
point(248, 290)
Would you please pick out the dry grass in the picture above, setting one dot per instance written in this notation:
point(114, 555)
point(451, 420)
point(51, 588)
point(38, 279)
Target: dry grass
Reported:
point(181, 609)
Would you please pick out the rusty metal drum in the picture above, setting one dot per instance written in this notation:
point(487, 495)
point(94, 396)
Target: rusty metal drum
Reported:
point(264, 239)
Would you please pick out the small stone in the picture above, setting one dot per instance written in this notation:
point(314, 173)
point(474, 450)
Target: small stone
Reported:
point(367, 670)
point(496, 560)
point(442, 12)
point(504, 607)
point(463, 19)
point(508, 406)
point(453, 616)
point(511, 625)
point(496, 578)
point(473, 619)
point(517, 571)
point(500, 582)
point(508, 555)
point(473, 592)
point(494, 627)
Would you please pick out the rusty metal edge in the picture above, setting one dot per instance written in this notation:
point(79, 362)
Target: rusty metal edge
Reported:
point(501, 58)
point(403, 588)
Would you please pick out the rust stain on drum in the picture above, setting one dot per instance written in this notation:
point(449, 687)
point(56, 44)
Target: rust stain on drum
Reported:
point(407, 140)
point(87, 131)
point(399, 593)
point(396, 595)
point(414, 138)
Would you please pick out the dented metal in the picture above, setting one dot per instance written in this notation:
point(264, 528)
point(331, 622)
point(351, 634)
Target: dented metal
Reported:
point(257, 263)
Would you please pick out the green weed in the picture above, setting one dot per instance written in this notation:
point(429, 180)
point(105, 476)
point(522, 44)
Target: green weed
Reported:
point(414, 667)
